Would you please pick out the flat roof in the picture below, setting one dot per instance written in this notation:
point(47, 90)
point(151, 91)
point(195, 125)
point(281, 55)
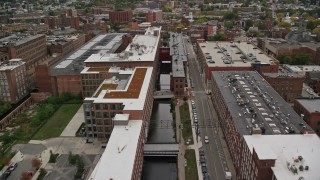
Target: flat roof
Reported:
point(233, 54)
point(73, 64)
point(18, 39)
point(178, 53)
point(130, 90)
point(286, 149)
point(301, 68)
point(117, 161)
point(165, 81)
point(284, 75)
point(142, 48)
point(311, 105)
point(247, 95)
point(11, 64)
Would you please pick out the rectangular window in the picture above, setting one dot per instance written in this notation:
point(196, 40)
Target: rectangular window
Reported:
point(113, 114)
point(106, 115)
point(99, 122)
point(113, 107)
point(107, 122)
point(107, 129)
point(105, 106)
point(98, 106)
point(107, 135)
point(99, 129)
point(98, 115)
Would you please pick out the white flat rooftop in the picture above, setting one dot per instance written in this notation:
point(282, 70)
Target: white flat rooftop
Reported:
point(285, 149)
point(11, 64)
point(133, 103)
point(117, 161)
point(213, 51)
point(302, 68)
point(142, 48)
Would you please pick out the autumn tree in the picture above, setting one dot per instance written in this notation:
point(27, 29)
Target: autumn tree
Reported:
point(36, 162)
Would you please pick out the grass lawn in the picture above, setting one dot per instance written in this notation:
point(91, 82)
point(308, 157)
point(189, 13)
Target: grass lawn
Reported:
point(186, 121)
point(57, 122)
point(191, 170)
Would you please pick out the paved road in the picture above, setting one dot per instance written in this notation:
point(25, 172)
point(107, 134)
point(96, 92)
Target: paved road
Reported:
point(215, 158)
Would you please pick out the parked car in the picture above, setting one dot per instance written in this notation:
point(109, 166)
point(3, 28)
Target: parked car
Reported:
point(5, 175)
point(202, 159)
point(206, 139)
point(12, 167)
point(204, 169)
point(201, 152)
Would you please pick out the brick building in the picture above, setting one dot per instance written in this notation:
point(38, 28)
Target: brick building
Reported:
point(122, 16)
point(178, 64)
point(65, 44)
point(248, 106)
point(229, 56)
point(288, 85)
point(64, 75)
point(31, 49)
point(280, 157)
point(154, 15)
point(281, 47)
point(309, 109)
point(128, 91)
point(13, 84)
point(313, 80)
point(126, 162)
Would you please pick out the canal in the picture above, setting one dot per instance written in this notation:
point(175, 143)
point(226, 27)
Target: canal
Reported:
point(161, 131)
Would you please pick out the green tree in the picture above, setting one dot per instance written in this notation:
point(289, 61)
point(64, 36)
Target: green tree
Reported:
point(220, 36)
point(248, 24)
point(230, 16)
point(285, 25)
point(228, 24)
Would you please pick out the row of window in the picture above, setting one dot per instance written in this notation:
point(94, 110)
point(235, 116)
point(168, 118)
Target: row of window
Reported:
point(109, 106)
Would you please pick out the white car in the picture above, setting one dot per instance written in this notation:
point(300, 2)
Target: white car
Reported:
point(206, 139)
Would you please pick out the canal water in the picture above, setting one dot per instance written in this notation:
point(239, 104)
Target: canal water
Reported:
point(160, 131)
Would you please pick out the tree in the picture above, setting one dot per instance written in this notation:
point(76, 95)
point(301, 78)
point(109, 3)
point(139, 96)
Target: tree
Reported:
point(285, 25)
point(249, 23)
point(230, 16)
point(310, 25)
point(220, 36)
point(36, 162)
point(280, 16)
point(26, 175)
point(228, 24)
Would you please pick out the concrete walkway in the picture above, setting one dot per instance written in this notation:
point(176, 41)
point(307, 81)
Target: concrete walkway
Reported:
point(74, 124)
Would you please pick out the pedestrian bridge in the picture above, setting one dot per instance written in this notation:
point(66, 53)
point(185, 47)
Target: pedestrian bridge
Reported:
point(163, 94)
point(161, 149)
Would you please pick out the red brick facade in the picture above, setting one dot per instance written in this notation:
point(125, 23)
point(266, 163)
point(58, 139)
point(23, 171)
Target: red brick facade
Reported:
point(311, 118)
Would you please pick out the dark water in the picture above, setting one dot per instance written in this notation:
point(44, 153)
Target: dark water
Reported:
point(161, 131)
point(160, 168)
point(161, 125)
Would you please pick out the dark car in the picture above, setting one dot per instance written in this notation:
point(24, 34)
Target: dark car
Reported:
point(204, 169)
point(201, 152)
point(202, 159)
point(5, 175)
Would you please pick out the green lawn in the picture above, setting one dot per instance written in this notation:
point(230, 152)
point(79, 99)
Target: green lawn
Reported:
point(191, 171)
point(186, 121)
point(57, 122)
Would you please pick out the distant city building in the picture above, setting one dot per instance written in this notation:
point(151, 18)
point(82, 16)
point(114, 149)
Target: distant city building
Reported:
point(313, 80)
point(31, 49)
point(309, 109)
point(123, 16)
point(65, 44)
point(154, 15)
point(288, 85)
point(247, 105)
point(233, 56)
point(280, 47)
point(13, 81)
